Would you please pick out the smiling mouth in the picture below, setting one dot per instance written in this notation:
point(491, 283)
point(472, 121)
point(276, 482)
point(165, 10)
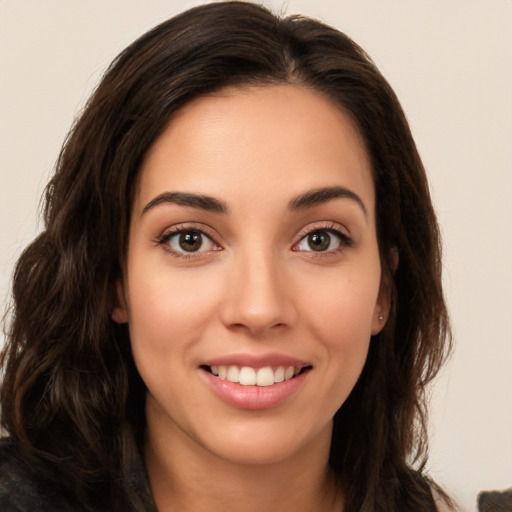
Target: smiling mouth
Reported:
point(248, 376)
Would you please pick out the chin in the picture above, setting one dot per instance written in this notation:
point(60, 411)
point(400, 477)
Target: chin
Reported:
point(267, 444)
point(255, 454)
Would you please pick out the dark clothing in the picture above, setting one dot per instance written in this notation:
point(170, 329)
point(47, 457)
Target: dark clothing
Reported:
point(43, 487)
point(19, 490)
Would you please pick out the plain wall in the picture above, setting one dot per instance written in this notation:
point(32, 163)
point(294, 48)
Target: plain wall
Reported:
point(450, 63)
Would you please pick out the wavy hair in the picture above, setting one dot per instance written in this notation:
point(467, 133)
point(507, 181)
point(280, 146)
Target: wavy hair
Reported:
point(71, 397)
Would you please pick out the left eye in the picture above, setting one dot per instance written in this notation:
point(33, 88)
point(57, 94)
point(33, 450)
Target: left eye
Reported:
point(190, 241)
point(320, 241)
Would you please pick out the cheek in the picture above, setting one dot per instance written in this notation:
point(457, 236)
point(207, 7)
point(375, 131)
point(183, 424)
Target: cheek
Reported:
point(342, 305)
point(340, 315)
point(345, 331)
point(167, 313)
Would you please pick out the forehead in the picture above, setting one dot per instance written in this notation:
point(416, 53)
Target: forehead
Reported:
point(257, 140)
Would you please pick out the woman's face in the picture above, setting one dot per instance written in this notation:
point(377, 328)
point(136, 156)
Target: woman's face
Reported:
point(252, 275)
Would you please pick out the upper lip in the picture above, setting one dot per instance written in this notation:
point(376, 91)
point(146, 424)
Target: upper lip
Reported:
point(256, 360)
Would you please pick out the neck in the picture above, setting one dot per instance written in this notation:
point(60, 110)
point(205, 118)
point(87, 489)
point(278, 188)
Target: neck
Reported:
point(186, 477)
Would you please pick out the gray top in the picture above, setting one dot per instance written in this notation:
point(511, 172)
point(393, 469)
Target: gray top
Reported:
point(19, 489)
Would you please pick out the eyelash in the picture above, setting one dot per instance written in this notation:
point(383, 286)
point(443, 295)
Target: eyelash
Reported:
point(164, 239)
point(345, 240)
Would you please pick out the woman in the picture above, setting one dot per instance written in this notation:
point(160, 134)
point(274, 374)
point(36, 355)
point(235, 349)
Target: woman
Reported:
point(236, 302)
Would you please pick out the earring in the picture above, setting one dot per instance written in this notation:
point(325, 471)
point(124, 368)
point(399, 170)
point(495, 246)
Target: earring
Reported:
point(381, 317)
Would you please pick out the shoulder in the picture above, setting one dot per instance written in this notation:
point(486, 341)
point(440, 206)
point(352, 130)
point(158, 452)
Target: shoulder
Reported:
point(20, 491)
point(443, 502)
point(442, 506)
point(421, 492)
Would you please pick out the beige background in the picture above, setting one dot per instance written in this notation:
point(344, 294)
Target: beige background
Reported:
point(450, 62)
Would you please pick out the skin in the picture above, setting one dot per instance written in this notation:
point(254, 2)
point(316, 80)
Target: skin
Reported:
point(257, 287)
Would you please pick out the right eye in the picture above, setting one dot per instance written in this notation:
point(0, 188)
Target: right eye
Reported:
point(188, 241)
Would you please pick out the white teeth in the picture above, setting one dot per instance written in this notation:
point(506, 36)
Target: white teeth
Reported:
point(233, 374)
point(247, 376)
point(279, 374)
point(288, 373)
point(265, 376)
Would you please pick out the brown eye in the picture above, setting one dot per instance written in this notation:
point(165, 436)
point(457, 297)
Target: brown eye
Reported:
point(319, 241)
point(323, 240)
point(189, 241)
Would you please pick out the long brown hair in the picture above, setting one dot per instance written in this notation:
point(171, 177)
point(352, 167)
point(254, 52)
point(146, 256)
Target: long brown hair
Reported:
point(71, 397)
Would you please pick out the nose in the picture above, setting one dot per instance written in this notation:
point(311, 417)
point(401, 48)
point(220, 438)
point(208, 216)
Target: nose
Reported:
point(258, 298)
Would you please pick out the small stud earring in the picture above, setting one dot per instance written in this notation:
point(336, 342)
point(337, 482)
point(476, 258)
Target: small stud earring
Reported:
point(381, 317)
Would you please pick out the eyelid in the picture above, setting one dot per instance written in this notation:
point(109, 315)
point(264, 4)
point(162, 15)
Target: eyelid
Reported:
point(331, 227)
point(177, 229)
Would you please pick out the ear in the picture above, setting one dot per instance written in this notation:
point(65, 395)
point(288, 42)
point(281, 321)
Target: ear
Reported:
point(381, 311)
point(383, 306)
point(120, 312)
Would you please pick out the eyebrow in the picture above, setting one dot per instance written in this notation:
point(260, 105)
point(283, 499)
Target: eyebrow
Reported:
point(211, 204)
point(207, 203)
point(322, 195)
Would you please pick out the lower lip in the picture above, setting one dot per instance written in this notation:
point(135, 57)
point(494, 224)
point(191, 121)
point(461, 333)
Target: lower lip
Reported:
point(254, 397)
